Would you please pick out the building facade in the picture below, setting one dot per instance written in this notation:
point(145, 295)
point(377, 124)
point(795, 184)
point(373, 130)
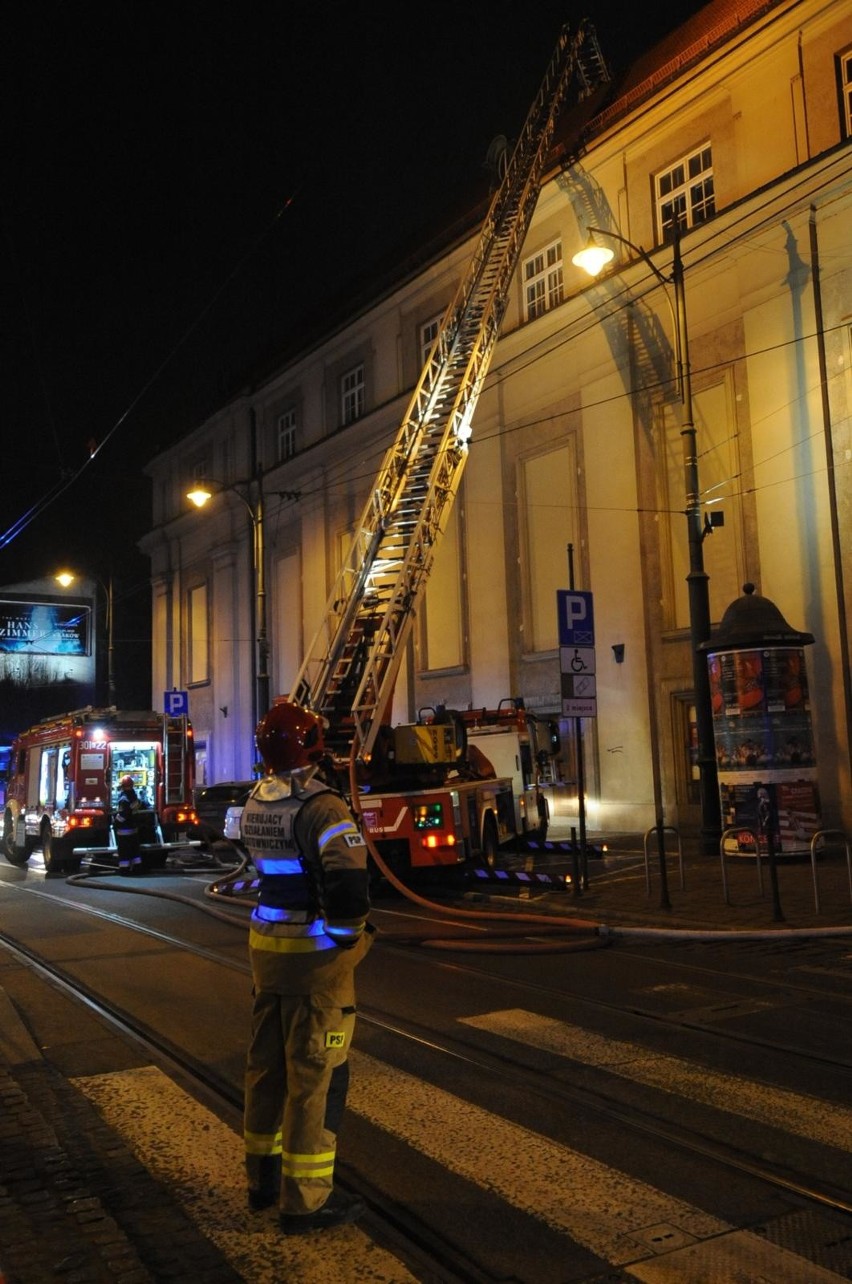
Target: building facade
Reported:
point(736, 130)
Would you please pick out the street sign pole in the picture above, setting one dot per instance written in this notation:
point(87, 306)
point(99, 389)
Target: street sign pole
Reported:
point(581, 770)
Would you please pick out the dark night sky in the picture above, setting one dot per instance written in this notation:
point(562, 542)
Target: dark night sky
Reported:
point(184, 184)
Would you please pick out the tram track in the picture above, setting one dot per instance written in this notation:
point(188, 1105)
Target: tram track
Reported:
point(406, 1234)
point(393, 1228)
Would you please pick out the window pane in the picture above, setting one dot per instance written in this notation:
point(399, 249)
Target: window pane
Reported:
point(542, 275)
point(682, 201)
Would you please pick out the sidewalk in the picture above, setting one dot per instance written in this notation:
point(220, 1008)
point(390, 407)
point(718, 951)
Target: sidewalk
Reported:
point(624, 891)
point(75, 1205)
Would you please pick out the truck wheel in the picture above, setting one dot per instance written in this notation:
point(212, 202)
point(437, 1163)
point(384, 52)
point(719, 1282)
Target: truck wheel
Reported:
point(490, 842)
point(56, 852)
point(14, 855)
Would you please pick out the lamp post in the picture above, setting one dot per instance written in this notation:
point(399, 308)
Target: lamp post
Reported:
point(200, 496)
point(592, 258)
point(66, 579)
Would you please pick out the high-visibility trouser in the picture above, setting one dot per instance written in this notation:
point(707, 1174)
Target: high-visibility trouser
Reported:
point(297, 1075)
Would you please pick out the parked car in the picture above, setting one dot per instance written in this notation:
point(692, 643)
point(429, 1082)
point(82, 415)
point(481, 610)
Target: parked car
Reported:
point(213, 801)
point(233, 822)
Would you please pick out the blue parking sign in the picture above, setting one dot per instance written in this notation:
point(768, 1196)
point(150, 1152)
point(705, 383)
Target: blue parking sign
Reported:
point(575, 612)
point(176, 703)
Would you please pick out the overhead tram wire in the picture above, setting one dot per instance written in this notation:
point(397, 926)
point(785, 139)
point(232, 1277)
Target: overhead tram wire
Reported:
point(64, 483)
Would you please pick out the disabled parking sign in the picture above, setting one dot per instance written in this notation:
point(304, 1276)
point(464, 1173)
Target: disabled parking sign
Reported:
point(577, 653)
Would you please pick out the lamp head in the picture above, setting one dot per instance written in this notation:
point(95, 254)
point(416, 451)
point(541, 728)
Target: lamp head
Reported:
point(65, 578)
point(593, 258)
point(199, 496)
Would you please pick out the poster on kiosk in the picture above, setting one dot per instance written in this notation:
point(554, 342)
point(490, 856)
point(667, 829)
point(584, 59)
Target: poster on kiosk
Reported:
point(765, 752)
point(764, 746)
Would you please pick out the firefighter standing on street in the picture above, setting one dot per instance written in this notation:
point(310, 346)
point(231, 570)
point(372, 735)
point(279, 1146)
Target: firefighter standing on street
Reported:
point(308, 932)
point(127, 828)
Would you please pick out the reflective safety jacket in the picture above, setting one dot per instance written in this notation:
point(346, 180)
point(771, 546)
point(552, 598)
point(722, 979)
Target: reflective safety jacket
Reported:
point(313, 896)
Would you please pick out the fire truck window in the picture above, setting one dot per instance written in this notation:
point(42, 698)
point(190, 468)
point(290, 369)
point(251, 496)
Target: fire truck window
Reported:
point(63, 784)
point(47, 779)
point(137, 759)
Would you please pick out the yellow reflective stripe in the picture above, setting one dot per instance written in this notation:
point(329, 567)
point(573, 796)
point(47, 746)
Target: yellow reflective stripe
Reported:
point(307, 1166)
point(289, 944)
point(262, 1143)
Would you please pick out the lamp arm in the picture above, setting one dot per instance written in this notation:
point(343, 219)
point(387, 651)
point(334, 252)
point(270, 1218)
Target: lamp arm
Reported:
point(643, 254)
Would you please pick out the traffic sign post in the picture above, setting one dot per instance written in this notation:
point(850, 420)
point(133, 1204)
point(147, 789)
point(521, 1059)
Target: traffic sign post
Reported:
point(576, 626)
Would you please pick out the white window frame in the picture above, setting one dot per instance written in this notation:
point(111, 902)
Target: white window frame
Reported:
point(428, 335)
point(844, 78)
point(543, 280)
point(286, 425)
point(353, 393)
point(685, 192)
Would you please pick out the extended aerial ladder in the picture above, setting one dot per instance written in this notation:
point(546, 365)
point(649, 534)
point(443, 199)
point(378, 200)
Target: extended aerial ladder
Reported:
point(349, 671)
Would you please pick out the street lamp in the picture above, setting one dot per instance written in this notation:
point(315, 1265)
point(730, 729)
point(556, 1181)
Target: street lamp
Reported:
point(593, 258)
point(66, 579)
point(200, 496)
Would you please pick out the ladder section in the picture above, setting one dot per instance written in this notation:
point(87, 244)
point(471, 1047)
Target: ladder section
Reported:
point(174, 760)
point(349, 672)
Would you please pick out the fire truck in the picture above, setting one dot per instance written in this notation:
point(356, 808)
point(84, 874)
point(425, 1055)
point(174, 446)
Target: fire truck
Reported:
point(428, 802)
point(349, 671)
point(63, 781)
point(528, 749)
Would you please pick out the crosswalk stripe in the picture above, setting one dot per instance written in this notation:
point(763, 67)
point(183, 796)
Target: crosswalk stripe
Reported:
point(608, 1212)
point(806, 1116)
point(652, 1236)
point(200, 1159)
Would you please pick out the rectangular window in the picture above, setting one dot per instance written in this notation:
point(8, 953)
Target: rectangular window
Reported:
point(685, 194)
point(352, 394)
point(443, 631)
point(543, 281)
point(428, 335)
point(288, 620)
point(549, 491)
point(844, 76)
point(198, 661)
point(286, 424)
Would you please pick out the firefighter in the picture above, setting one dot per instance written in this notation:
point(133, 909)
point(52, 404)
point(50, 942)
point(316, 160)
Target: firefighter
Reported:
point(127, 828)
point(308, 932)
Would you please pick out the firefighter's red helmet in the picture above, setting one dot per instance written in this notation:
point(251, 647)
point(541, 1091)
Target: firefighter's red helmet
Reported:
point(126, 782)
point(289, 737)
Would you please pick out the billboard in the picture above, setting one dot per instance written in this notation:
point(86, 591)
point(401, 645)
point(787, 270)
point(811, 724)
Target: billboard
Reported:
point(45, 628)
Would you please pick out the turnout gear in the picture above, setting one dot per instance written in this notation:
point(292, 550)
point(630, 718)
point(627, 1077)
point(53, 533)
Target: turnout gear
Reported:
point(127, 829)
point(307, 934)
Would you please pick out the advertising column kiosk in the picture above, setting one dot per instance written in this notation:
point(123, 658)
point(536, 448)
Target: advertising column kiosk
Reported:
point(762, 726)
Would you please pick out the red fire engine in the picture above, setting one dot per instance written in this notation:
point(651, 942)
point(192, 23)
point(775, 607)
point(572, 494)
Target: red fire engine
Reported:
point(63, 781)
point(528, 748)
point(427, 799)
